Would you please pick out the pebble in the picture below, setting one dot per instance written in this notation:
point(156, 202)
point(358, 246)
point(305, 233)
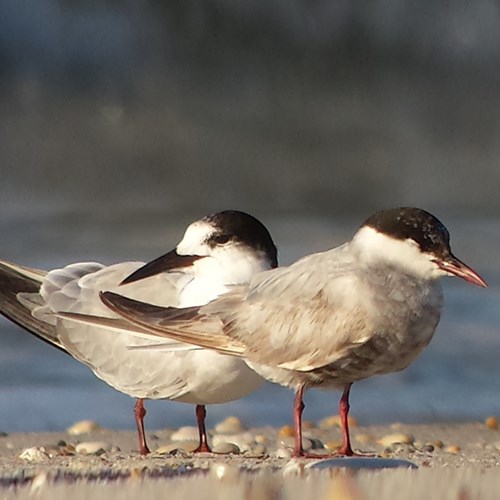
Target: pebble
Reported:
point(243, 441)
point(317, 444)
point(396, 448)
point(438, 443)
point(83, 427)
point(34, 454)
point(230, 425)
point(226, 448)
point(364, 438)
point(186, 446)
point(261, 439)
point(453, 448)
point(283, 453)
point(186, 433)
point(92, 447)
point(286, 431)
point(69, 449)
point(398, 437)
point(492, 423)
point(427, 448)
point(257, 451)
point(333, 445)
point(289, 442)
point(334, 421)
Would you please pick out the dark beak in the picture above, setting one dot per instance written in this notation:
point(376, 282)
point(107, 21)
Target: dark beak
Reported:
point(168, 262)
point(458, 268)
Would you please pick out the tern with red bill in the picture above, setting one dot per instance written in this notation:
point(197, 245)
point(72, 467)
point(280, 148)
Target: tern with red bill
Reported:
point(368, 307)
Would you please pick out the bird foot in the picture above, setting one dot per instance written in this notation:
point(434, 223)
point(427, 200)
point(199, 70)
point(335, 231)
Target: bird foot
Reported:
point(203, 448)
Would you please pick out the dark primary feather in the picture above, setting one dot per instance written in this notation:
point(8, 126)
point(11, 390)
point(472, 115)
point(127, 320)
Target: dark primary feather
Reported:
point(157, 320)
point(12, 283)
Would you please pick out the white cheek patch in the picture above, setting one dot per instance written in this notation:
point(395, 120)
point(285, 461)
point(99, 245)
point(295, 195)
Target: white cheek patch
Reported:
point(376, 247)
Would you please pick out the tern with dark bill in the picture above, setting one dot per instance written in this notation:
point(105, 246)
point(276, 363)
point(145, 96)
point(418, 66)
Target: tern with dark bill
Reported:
point(217, 252)
point(368, 307)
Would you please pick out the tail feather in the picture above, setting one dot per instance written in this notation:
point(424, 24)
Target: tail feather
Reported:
point(19, 287)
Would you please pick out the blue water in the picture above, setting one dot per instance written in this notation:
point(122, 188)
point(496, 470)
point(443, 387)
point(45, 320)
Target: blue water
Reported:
point(456, 378)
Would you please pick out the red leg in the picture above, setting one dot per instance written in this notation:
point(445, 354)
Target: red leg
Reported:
point(201, 413)
point(346, 449)
point(298, 408)
point(140, 412)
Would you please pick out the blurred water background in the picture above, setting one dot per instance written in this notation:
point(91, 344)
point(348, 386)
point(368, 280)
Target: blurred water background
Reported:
point(121, 122)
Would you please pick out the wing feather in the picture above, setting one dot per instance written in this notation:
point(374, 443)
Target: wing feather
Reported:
point(184, 325)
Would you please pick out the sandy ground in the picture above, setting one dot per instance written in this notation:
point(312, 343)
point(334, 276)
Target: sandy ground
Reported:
point(459, 461)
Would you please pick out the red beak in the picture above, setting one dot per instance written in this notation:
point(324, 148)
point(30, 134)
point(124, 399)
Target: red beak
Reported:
point(455, 266)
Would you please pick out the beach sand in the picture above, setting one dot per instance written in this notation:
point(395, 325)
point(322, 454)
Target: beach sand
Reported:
point(456, 461)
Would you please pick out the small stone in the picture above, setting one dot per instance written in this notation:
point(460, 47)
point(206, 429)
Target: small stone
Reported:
point(92, 447)
point(83, 427)
point(261, 439)
point(492, 423)
point(186, 433)
point(453, 448)
point(316, 444)
point(243, 441)
point(52, 450)
point(398, 437)
point(258, 450)
point(289, 442)
point(427, 448)
point(34, 454)
point(334, 421)
point(438, 443)
point(364, 438)
point(283, 453)
point(185, 446)
point(396, 448)
point(230, 425)
point(67, 450)
point(333, 445)
point(286, 431)
point(226, 448)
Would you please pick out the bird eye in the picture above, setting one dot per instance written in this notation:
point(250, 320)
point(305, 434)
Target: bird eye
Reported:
point(220, 239)
point(223, 238)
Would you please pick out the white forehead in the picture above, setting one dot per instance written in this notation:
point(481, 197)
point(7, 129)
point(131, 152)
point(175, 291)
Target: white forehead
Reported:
point(194, 237)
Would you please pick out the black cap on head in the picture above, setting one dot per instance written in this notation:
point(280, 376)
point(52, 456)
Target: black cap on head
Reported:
point(232, 225)
point(403, 223)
